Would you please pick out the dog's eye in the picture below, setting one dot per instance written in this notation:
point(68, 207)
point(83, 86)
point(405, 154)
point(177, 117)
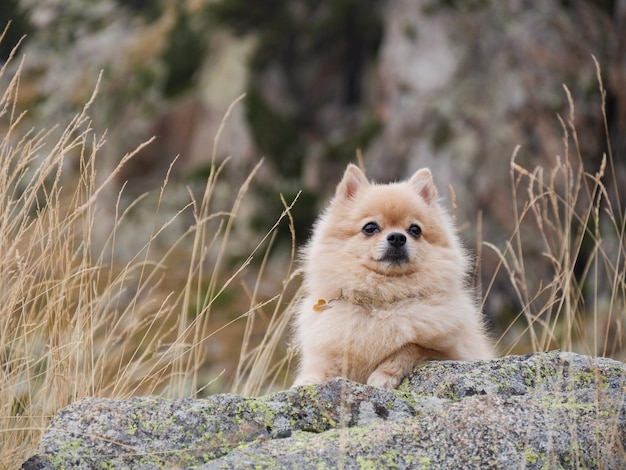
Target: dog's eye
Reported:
point(370, 228)
point(415, 231)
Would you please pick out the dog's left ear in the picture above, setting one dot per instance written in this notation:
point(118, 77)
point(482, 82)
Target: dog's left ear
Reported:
point(422, 182)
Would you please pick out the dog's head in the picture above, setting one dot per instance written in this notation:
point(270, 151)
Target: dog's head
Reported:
point(387, 227)
point(393, 237)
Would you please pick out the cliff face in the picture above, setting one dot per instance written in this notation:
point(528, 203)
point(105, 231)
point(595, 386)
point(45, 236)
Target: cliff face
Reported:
point(543, 410)
point(463, 83)
point(454, 86)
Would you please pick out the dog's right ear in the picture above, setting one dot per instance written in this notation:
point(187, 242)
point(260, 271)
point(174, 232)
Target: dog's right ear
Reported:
point(353, 180)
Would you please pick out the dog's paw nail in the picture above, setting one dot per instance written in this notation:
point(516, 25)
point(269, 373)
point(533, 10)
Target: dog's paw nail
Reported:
point(382, 380)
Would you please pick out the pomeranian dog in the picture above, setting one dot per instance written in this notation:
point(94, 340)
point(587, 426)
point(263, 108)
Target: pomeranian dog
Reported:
point(385, 282)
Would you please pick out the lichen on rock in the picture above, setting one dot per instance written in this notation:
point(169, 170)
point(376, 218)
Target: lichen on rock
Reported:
point(544, 410)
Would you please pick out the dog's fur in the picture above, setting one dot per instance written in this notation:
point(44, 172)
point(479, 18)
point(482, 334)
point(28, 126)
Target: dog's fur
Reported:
point(377, 304)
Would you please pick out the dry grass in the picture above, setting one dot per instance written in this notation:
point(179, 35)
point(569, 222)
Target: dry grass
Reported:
point(76, 323)
point(578, 224)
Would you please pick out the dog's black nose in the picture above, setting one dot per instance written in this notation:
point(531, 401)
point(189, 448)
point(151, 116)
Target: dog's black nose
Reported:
point(396, 239)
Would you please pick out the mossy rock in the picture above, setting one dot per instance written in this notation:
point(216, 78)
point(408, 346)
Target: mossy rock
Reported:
point(544, 410)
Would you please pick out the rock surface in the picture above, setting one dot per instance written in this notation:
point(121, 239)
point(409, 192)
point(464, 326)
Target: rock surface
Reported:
point(545, 410)
point(451, 85)
point(463, 83)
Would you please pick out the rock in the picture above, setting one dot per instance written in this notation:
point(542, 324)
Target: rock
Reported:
point(463, 83)
point(454, 86)
point(542, 410)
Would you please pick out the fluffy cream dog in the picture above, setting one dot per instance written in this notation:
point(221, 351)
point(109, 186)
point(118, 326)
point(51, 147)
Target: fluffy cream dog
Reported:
point(386, 285)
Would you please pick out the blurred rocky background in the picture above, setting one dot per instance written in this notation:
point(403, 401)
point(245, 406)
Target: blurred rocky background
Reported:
point(452, 85)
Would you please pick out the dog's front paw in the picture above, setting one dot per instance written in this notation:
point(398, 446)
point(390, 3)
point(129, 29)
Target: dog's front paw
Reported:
point(382, 379)
point(308, 379)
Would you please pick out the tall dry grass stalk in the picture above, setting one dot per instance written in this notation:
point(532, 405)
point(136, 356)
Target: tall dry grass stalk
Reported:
point(75, 323)
point(579, 223)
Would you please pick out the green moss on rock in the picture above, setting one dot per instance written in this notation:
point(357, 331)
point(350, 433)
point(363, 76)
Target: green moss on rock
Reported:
point(530, 411)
